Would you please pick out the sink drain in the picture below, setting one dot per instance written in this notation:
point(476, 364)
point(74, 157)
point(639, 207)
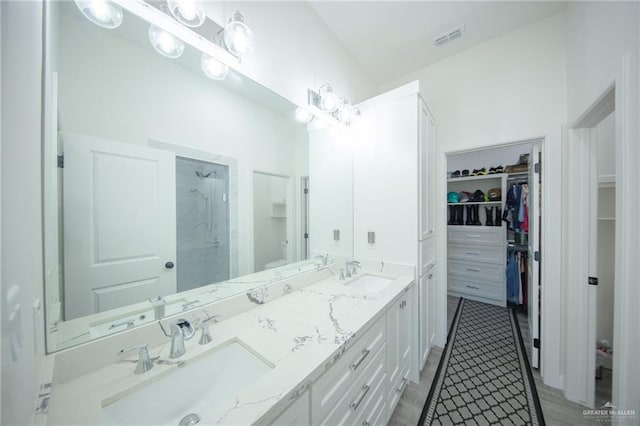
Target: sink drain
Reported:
point(190, 420)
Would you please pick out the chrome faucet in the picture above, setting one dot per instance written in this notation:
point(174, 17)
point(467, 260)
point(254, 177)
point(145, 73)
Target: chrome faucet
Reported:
point(181, 330)
point(324, 259)
point(144, 361)
point(205, 337)
point(351, 268)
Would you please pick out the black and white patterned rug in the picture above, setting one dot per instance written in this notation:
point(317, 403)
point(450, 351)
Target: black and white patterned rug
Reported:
point(484, 376)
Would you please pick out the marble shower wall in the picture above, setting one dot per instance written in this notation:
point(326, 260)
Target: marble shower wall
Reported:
point(202, 215)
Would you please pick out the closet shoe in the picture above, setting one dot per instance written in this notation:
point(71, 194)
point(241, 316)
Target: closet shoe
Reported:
point(482, 172)
point(460, 220)
point(455, 174)
point(489, 215)
point(499, 169)
point(452, 210)
point(476, 215)
point(465, 173)
point(469, 220)
point(498, 221)
point(492, 170)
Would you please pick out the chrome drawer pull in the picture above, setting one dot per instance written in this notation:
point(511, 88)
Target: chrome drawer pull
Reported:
point(473, 253)
point(475, 288)
point(366, 423)
point(473, 270)
point(404, 385)
point(355, 365)
point(354, 404)
point(473, 236)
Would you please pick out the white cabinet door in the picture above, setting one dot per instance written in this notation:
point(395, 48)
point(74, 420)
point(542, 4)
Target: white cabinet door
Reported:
point(385, 177)
point(425, 166)
point(330, 192)
point(119, 224)
point(432, 287)
point(425, 315)
point(399, 327)
point(297, 414)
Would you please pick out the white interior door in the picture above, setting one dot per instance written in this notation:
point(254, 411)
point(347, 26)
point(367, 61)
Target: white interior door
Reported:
point(119, 224)
point(534, 250)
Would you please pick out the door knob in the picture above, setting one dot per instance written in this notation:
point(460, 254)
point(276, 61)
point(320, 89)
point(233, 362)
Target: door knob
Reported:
point(169, 265)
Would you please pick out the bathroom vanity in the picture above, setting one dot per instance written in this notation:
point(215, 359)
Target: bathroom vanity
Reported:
point(315, 349)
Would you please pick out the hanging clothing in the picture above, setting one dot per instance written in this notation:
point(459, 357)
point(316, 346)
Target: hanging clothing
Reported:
point(513, 280)
point(524, 207)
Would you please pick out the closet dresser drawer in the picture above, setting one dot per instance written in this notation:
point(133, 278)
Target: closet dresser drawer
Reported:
point(476, 235)
point(486, 289)
point(477, 253)
point(483, 271)
point(332, 386)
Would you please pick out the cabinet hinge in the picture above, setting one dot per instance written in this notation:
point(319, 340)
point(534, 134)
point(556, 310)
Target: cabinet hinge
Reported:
point(593, 280)
point(61, 161)
point(306, 190)
point(306, 235)
point(537, 167)
point(536, 343)
point(537, 256)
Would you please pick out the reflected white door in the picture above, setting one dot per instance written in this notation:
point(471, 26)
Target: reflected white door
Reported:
point(119, 224)
point(534, 247)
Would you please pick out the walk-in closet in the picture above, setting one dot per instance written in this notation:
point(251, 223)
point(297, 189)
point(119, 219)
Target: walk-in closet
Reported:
point(493, 231)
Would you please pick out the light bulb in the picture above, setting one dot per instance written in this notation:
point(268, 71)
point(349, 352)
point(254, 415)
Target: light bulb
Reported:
point(329, 102)
point(101, 12)
point(213, 68)
point(303, 115)
point(165, 43)
point(238, 37)
point(187, 12)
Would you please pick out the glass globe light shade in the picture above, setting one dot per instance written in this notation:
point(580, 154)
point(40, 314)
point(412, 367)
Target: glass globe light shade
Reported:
point(188, 12)
point(303, 115)
point(238, 37)
point(329, 101)
point(101, 12)
point(165, 43)
point(346, 112)
point(213, 68)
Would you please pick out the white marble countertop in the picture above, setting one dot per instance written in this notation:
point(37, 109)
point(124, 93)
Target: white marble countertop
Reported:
point(301, 334)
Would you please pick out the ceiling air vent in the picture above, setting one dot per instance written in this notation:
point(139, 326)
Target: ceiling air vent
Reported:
point(449, 36)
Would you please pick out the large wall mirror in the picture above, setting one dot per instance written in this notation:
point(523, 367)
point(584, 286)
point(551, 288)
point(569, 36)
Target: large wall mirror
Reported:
point(164, 189)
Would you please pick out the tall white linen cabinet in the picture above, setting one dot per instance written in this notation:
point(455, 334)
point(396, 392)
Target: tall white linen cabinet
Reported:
point(393, 192)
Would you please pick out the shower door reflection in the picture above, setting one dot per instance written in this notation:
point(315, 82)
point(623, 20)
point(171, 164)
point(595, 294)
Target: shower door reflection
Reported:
point(202, 216)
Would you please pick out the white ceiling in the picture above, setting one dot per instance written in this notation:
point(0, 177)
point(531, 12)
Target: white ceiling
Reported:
point(391, 39)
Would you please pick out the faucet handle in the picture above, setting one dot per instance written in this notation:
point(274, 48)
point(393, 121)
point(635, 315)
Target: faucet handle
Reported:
point(144, 361)
point(205, 337)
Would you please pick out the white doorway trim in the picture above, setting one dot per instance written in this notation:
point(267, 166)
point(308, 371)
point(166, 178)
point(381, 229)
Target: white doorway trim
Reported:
point(579, 318)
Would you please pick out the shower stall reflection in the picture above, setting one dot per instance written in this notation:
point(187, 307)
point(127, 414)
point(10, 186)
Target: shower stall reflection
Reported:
point(202, 216)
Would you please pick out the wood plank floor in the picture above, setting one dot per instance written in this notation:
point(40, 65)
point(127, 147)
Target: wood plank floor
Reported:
point(556, 408)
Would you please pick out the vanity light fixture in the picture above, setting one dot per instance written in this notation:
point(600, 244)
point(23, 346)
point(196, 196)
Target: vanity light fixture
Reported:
point(329, 102)
point(238, 37)
point(165, 43)
point(346, 112)
point(188, 12)
point(303, 115)
point(101, 12)
point(213, 68)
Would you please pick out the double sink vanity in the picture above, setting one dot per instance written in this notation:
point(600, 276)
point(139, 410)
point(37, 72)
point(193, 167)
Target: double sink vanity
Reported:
point(316, 348)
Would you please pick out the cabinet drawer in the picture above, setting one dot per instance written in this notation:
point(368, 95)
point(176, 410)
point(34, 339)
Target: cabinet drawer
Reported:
point(483, 271)
point(490, 289)
point(331, 386)
point(427, 255)
point(477, 253)
point(359, 395)
point(397, 388)
point(374, 413)
point(491, 235)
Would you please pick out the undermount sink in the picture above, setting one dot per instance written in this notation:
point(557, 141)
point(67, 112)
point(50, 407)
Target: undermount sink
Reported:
point(200, 387)
point(371, 283)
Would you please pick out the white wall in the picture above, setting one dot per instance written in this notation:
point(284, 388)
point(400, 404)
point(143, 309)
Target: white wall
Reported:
point(21, 206)
point(508, 89)
point(268, 231)
point(603, 48)
point(606, 265)
point(606, 154)
point(295, 50)
point(115, 90)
